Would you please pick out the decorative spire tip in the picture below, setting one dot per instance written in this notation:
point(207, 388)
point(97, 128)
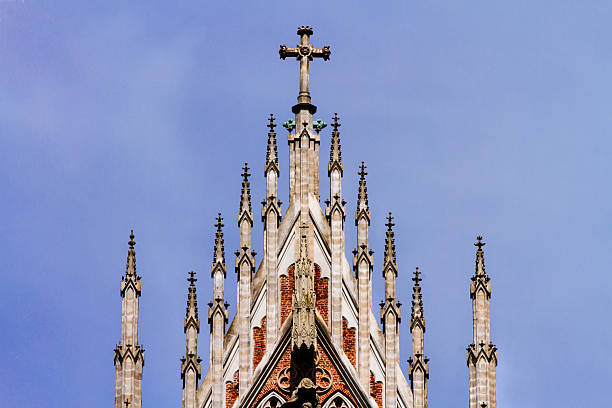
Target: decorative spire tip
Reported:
point(336, 124)
point(362, 171)
point(479, 242)
point(192, 279)
point(390, 222)
point(131, 242)
point(271, 125)
point(417, 278)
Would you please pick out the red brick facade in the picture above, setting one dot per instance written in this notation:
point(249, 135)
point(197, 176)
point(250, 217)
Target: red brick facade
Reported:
point(271, 384)
point(259, 343)
point(376, 390)
point(231, 391)
point(286, 288)
point(348, 342)
point(321, 289)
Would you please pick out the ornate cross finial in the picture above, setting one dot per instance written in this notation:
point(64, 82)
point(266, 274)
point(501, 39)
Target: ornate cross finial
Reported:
point(390, 222)
point(336, 124)
point(246, 173)
point(127, 403)
point(483, 405)
point(304, 52)
point(219, 225)
point(362, 171)
point(271, 125)
point(416, 278)
point(131, 242)
point(192, 279)
point(479, 242)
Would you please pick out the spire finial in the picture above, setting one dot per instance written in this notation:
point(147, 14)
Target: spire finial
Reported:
point(246, 173)
point(417, 278)
point(390, 224)
point(362, 171)
point(336, 124)
point(219, 252)
point(479, 243)
point(131, 242)
point(271, 125)
point(192, 279)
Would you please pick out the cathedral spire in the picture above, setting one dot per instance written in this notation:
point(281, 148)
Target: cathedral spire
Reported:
point(191, 370)
point(129, 355)
point(419, 367)
point(482, 353)
point(390, 316)
point(335, 212)
point(217, 317)
point(245, 268)
point(362, 266)
point(271, 217)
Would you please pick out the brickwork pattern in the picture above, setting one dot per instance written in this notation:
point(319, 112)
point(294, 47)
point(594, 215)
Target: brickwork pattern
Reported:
point(232, 390)
point(349, 342)
point(286, 286)
point(285, 361)
point(259, 343)
point(321, 286)
point(376, 390)
point(337, 383)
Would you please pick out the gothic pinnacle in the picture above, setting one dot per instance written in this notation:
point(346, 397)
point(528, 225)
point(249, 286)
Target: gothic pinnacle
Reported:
point(130, 269)
point(272, 152)
point(362, 195)
point(417, 301)
point(245, 196)
point(480, 265)
point(335, 153)
point(390, 256)
point(219, 252)
point(192, 302)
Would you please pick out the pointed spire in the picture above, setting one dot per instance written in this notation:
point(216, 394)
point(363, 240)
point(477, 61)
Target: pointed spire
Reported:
point(219, 252)
point(363, 208)
point(417, 302)
point(245, 195)
point(335, 154)
point(272, 153)
point(192, 300)
point(480, 266)
point(130, 269)
point(390, 259)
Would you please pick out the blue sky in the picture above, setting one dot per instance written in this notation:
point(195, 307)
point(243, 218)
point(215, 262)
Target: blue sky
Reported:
point(474, 118)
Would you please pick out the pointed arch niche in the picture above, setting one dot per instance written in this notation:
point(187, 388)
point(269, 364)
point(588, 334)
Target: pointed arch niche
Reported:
point(338, 400)
point(272, 400)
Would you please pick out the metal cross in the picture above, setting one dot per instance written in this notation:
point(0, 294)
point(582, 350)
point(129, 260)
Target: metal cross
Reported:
point(336, 124)
point(362, 171)
point(271, 125)
point(304, 52)
point(480, 243)
point(127, 402)
point(192, 279)
point(416, 278)
point(246, 173)
point(390, 222)
point(219, 224)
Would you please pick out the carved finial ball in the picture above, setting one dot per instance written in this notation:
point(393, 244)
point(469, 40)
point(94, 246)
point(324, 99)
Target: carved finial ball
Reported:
point(131, 242)
point(304, 30)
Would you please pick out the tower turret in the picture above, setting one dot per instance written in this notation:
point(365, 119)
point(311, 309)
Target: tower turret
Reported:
point(362, 266)
point(245, 267)
point(481, 354)
point(390, 317)
point(191, 370)
point(129, 355)
point(419, 367)
point(271, 217)
point(336, 215)
point(217, 317)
